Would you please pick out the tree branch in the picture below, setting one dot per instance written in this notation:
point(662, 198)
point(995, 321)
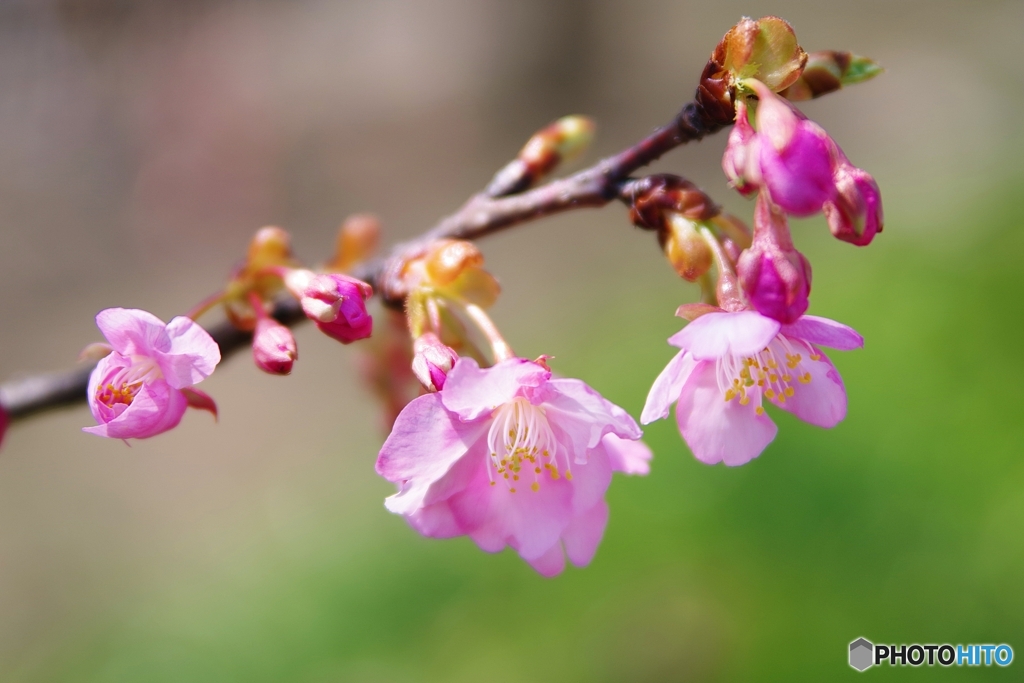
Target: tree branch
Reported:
point(481, 215)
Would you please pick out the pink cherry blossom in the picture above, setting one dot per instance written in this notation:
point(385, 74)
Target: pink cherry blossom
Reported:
point(144, 385)
point(730, 361)
point(510, 455)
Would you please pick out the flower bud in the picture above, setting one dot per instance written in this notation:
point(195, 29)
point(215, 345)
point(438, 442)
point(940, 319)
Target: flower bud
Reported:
point(562, 141)
point(335, 303)
point(449, 258)
point(795, 156)
point(855, 215)
point(740, 160)
point(774, 276)
point(432, 361)
point(273, 347)
point(653, 197)
point(358, 237)
point(686, 249)
point(828, 71)
point(270, 246)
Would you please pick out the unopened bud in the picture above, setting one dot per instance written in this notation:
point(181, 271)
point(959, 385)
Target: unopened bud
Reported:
point(449, 258)
point(336, 303)
point(774, 276)
point(855, 215)
point(828, 71)
point(432, 361)
point(685, 247)
point(653, 197)
point(358, 237)
point(273, 347)
point(560, 142)
point(270, 246)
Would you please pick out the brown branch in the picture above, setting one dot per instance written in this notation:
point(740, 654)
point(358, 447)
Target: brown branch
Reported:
point(482, 215)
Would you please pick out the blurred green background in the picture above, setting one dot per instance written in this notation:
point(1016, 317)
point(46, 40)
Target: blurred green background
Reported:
point(142, 143)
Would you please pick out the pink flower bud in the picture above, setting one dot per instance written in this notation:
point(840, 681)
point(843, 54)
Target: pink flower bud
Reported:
point(335, 302)
point(273, 347)
point(795, 156)
point(432, 361)
point(741, 154)
point(774, 276)
point(855, 215)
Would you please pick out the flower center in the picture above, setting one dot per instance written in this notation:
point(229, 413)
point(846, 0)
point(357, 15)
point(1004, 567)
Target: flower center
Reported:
point(773, 372)
point(522, 446)
point(123, 386)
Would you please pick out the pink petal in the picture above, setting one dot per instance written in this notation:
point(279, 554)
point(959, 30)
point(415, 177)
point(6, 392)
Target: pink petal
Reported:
point(471, 391)
point(584, 533)
point(628, 457)
point(132, 331)
point(590, 481)
point(584, 416)
point(155, 409)
point(825, 332)
point(435, 521)
point(530, 521)
point(665, 390)
point(551, 563)
point(192, 356)
point(716, 430)
point(715, 335)
point(822, 401)
point(424, 443)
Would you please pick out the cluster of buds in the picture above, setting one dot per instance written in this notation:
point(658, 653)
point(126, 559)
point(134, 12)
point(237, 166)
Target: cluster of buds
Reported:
point(495, 446)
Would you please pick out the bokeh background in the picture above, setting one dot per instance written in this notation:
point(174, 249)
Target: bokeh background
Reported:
point(141, 144)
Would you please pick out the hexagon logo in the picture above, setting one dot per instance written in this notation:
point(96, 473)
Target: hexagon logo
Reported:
point(861, 654)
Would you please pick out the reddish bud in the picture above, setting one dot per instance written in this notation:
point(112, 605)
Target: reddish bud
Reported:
point(449, 258)
point(273, 347)
point(562, 141)
point(652, 197)
point(432, 361)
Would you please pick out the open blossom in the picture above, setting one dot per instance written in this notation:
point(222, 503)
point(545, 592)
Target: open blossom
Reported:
point(801, 168)
point(143, 386)
point(730, 362)
point(510, 455)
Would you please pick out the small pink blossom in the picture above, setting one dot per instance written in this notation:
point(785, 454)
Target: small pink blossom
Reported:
point(509, 455)
point(144, 385)
point(730, 361)
point(336, 303)
point(855, 214)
